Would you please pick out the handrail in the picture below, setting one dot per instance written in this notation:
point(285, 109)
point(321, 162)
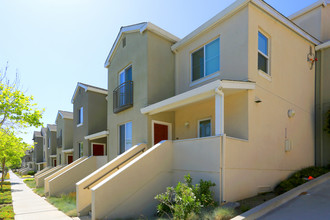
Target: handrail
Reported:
point(117, 167)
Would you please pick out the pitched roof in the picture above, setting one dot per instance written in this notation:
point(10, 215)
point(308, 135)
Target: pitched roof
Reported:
point(43, 131)
point(52, 127)
point(36, 134)
point(235, 7)
point(87, 87)
point(141, 27)
point(309, 8)
point(64, 114)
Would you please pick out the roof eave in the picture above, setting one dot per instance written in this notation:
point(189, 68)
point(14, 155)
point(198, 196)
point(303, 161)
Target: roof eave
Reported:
point(308, 9)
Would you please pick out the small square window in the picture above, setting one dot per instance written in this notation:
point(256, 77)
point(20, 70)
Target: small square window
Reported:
point(263, 54)
point(204, 128)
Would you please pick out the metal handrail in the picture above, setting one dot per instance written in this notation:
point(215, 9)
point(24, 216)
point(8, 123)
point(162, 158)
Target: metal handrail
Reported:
point(117, 167)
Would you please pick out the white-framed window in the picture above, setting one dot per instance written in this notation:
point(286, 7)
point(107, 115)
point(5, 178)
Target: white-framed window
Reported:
point(125, 137)
point(263, 53)
point(206, 60)
point(80, 116)
point(49, 143)
point(204, 127)
point(81, 149)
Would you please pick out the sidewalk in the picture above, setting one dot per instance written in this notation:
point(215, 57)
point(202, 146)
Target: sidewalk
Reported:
point(28, 205)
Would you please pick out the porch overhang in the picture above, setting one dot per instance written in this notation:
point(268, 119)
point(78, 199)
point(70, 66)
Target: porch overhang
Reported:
point(97, 135)
point(67, 151)
point(198, 94)
point(53, 155)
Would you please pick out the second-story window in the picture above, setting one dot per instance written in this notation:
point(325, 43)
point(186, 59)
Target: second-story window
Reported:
point(123, 94)
point(263, 57)
point(206, 60)
point(81, 116)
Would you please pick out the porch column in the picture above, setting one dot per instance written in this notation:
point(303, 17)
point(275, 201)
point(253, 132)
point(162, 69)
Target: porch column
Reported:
point(219, 112)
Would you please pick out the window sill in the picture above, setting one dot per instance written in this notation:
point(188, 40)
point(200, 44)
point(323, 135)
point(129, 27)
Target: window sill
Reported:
point(211, 76)
point(79, 125)
point(265, 75)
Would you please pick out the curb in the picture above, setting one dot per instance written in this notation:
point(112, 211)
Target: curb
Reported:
point(272, 204)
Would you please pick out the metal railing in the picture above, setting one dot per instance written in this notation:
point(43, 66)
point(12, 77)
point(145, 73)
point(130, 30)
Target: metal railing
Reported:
point(117, 167)
point(123, 97)
point(59, 141)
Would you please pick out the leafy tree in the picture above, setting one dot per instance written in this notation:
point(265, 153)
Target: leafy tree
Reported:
point(12, 148)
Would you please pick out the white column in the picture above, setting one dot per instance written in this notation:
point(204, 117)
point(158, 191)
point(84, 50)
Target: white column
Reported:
point(219, 112)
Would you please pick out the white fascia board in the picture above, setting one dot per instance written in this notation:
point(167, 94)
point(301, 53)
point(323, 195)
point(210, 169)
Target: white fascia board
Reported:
point(227, 12)
point(195, 95)
point(141, 27)
point(97, 90)
point(98, 135)
point(67, 151)
point(285, 21)
point(308, 9)
point(52, 155)
point(87, 88)
point(323, 46)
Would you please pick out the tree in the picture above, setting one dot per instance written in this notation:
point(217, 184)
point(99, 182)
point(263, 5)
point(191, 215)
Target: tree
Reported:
point(12, 148)
point(17, 110)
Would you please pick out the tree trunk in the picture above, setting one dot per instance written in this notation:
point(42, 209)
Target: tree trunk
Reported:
point(3, 164)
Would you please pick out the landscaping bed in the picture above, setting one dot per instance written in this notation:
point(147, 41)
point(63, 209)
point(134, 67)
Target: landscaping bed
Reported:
point(6, 208)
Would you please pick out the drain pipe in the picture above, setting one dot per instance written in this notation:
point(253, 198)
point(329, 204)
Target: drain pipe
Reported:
point(219, 128)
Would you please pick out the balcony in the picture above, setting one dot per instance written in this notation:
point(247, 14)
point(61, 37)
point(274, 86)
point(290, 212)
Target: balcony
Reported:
point(123, 97)
point(59, 141)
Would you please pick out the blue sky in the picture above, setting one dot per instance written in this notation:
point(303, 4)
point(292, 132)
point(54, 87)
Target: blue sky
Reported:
point(53, 44)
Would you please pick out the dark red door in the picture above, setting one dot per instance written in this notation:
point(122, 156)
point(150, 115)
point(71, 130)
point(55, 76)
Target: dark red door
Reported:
point(70, 159)
point(54, 162)
point(98, 149)
point(160, 132)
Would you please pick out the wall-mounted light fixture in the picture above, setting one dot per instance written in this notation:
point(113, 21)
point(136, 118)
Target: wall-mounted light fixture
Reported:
point(186, 124)
point(257, 99)
point(291, 113)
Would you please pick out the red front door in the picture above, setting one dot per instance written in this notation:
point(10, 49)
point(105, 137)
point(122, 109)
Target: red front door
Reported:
point(160, 132)
point(70, 159)
point(98, 149)
point(54, 162)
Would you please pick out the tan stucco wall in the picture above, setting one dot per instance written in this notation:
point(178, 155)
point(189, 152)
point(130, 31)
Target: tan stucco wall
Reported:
point(152, 73)
point(311, 22)
point(233, 34)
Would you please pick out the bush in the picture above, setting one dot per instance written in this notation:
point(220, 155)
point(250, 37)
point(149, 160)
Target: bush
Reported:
point(31, 172)
point(185, 200)
point(299, 178)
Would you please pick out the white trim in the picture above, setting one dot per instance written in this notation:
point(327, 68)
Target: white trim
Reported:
point(169, 130)
point(204, 79)
point(80, 116)
point(233, 9)
point(323, 46)
point(97, 135)
point(308, 9)
point(195, 95)
point(105, 154)
point(267, 36)
point(198, 126)
point(67, 151)
point(141, 27)
point(52, 156)
point(79, 125)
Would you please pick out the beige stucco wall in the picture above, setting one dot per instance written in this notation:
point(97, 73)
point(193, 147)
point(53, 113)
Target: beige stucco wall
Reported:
point(40, 178)
point(233, 34)
point(152, 73)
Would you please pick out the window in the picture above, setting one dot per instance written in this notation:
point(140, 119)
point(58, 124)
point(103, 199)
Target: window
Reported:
point(125, 137)
point(49, 143)
point(81, 149)
point(263, 57)
point(206, 60)
point(204, 128)
point(80, 116)
point(123, 94)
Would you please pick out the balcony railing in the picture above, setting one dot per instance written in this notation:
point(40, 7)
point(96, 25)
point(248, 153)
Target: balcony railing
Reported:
point(59, 141)
point(123, 97)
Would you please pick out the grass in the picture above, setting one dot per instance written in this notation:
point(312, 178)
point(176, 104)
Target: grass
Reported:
point(6, 208)
point(32, 184)
point(65, 203)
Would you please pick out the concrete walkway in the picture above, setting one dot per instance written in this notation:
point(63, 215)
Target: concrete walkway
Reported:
point(313, 204)
point(28, 205)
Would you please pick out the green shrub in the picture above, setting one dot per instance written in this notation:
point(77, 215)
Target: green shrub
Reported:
point(31, 172)
point(299, 178)
point(185, 200)
point(6, 212)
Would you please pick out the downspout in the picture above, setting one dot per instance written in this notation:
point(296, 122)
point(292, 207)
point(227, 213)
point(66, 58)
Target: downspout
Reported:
point(219, 92)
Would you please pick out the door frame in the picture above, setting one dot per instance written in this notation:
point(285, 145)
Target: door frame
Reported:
point(92, 143)
point(67, 157)
point(169, 130)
